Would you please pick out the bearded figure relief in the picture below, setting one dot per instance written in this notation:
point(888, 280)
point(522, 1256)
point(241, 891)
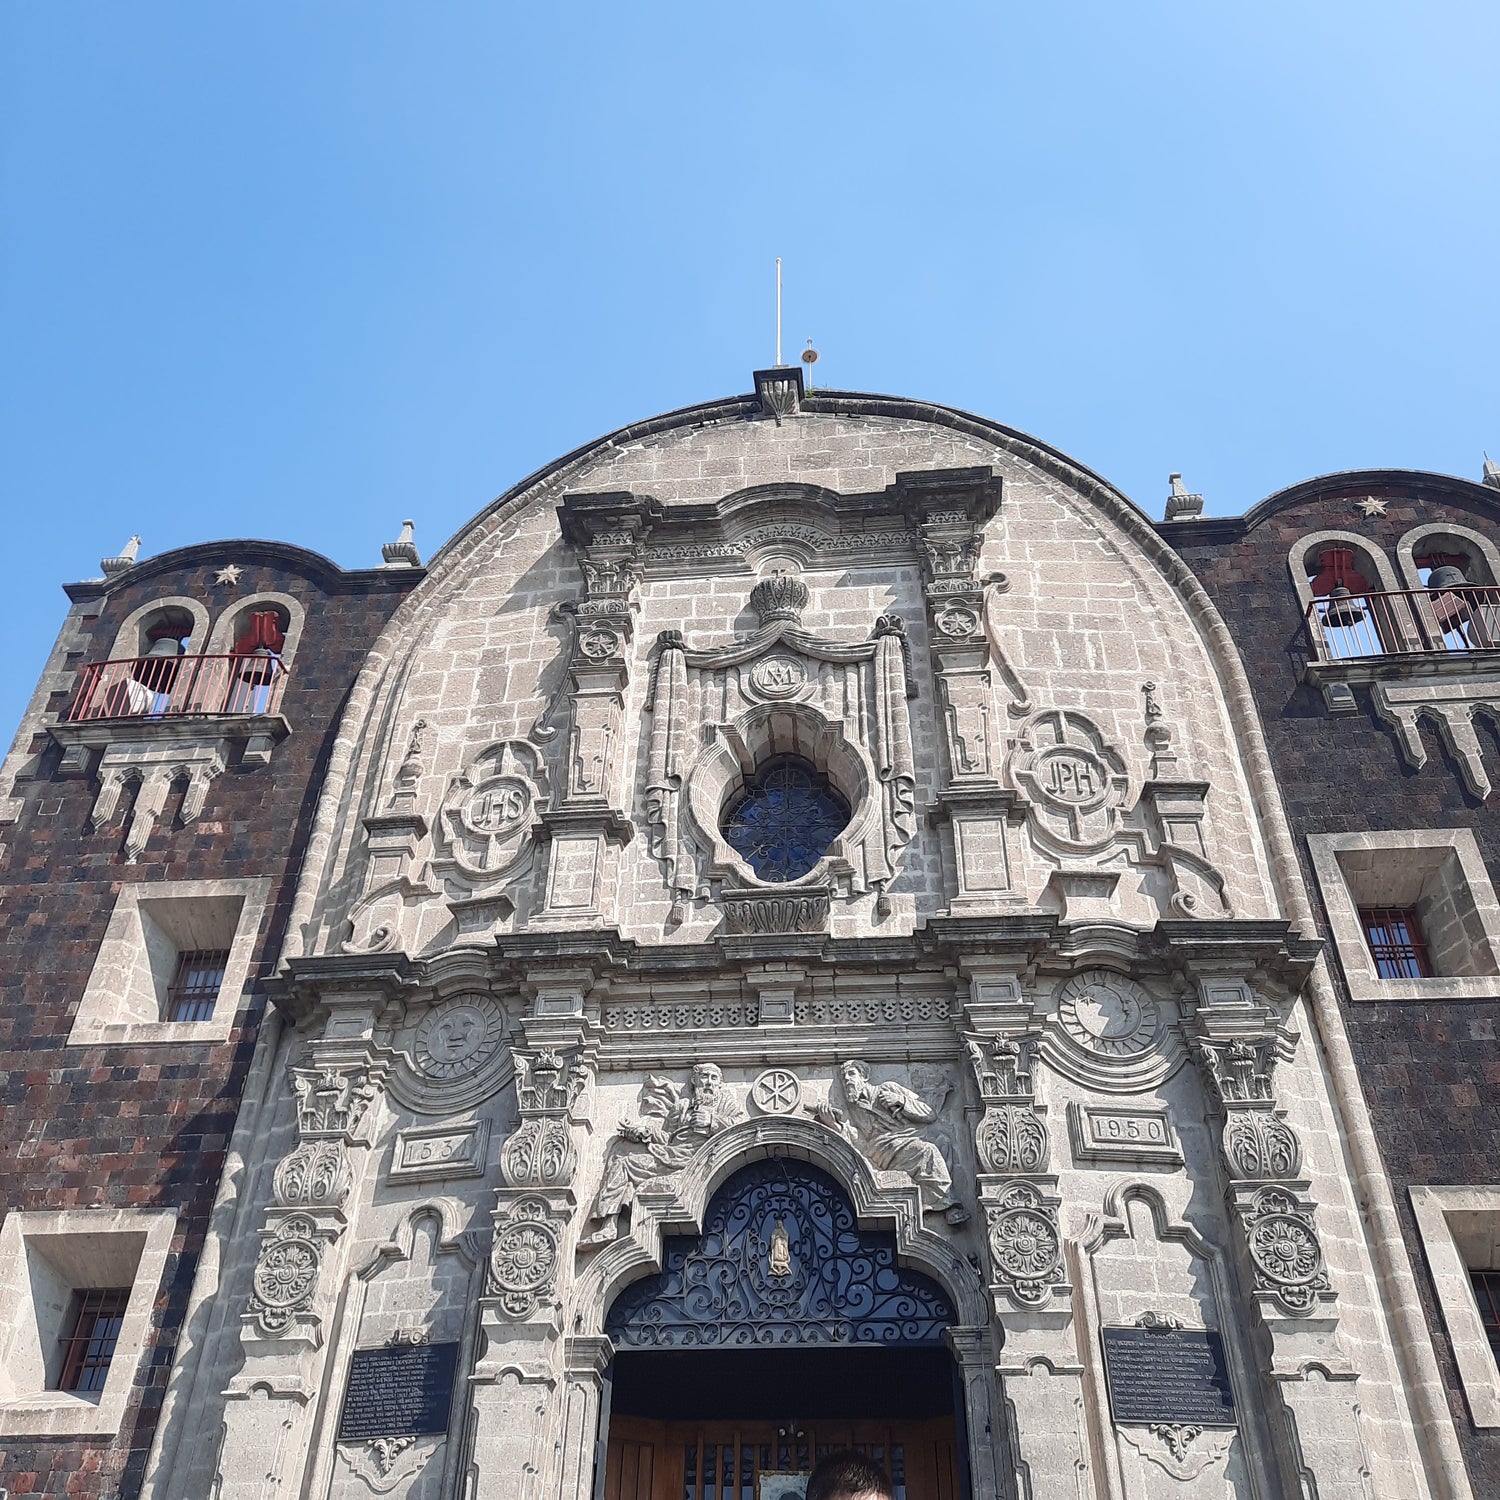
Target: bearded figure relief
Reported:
point(674, 1122)
point(887, 1121)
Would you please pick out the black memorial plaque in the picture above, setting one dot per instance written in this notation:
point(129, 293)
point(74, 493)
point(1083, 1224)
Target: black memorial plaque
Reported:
point(404, 1390)
point(1168, 1375)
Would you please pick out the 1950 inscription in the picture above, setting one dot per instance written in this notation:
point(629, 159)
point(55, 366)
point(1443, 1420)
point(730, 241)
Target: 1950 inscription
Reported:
point(402, 1391)
point(1168, 1375)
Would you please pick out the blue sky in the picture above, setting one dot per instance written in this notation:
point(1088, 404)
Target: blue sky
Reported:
point(301, 270)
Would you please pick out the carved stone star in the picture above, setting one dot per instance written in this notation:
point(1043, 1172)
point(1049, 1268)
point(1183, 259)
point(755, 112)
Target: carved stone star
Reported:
point(1373, 507)
point(229, 574)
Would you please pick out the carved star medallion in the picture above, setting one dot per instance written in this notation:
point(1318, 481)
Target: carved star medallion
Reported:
point(1373, 507)
point(229, 574)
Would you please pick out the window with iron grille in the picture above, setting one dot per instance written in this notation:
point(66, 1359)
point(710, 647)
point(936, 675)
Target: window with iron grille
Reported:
point(1394, 934)
point(90, 1344)
point(196, 986)
point(1486, 1286)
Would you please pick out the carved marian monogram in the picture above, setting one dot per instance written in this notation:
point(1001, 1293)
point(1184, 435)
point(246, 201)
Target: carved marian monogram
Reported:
point(815, 678)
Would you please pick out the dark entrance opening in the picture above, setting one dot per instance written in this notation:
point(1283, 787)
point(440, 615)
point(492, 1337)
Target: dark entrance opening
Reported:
point(782, 1332)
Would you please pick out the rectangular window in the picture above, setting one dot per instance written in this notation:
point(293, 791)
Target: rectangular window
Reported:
point(1394, 934)
point(196, 984)
point(1486, 1286)
point(99, 1314)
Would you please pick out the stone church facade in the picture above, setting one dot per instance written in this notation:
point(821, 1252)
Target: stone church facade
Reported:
point(809, 923)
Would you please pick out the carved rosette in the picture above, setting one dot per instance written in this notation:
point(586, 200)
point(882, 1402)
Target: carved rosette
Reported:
point(1025, 1243)
point(1284, 1250)
point(525, 1257)
point(286, 1274)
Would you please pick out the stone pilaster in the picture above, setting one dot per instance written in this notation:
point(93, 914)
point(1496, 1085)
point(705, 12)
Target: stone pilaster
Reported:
point(1239, 1044)
point(522, 1367)
point(1039, 1366)
point(300, 1266)
point(978, 816)
point(585, 825)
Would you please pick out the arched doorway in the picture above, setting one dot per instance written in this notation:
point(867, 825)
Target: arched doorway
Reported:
point(784, 1330)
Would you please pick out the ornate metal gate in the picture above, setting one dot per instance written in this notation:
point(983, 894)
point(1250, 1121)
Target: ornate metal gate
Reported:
point(781, 1261)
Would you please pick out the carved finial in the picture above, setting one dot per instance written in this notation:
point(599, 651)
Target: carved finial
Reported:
point(1491, 472)
point(1182, 506)
point(1159, 735)
point(111, 566)
point(410, 770)
point(402, 553)
point(782, 596)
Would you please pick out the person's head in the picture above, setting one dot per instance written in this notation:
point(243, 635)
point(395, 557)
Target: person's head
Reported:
point(707, 1079)
point(847, 1475)
point(856, 1075)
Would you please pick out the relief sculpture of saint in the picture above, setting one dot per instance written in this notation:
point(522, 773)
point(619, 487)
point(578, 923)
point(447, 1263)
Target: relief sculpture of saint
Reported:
point(674, 1122)
point(886, 1122)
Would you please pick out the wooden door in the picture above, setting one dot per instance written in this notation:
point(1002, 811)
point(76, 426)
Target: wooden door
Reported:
point(726, 1460)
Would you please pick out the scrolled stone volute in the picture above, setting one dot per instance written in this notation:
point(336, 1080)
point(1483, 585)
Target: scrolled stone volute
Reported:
point(782, 596)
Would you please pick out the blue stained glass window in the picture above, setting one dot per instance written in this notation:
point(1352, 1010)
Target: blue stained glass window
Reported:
point(784, 819)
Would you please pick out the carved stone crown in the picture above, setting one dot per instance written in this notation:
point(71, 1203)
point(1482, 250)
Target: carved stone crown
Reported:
point(779, 597)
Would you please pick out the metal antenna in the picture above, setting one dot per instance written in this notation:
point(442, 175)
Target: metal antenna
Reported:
point(778, 311)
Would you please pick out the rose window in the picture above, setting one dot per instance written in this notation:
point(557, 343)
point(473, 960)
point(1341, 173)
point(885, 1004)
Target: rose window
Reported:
point(784, 819)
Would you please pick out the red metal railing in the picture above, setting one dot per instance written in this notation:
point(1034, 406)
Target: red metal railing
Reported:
point(169, 687)
point(1405, 622)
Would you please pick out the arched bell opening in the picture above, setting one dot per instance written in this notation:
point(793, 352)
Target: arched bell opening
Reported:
point(782, 1331)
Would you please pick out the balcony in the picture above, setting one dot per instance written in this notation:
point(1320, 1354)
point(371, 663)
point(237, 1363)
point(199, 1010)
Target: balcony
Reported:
point(175, 687)
point(169, 713)
point(1427, 655)
point(1447, 628)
